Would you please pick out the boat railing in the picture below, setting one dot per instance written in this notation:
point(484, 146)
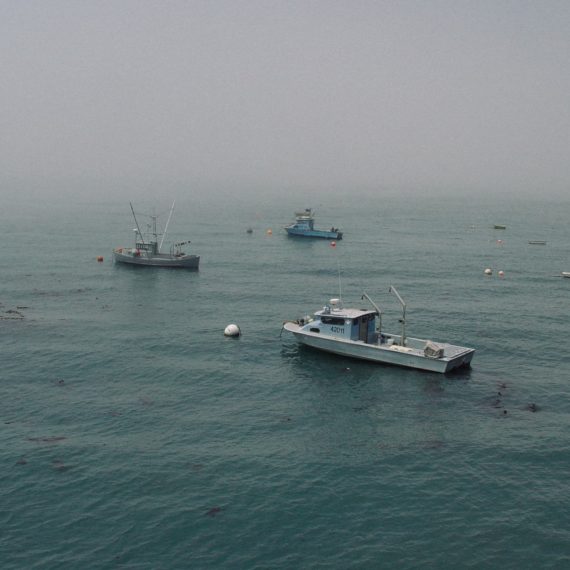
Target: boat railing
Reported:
point(176, 248)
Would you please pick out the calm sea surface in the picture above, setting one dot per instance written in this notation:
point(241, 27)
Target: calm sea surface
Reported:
point(135, 435)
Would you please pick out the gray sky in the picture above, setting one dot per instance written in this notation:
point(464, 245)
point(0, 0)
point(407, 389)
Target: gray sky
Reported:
point(233, 96)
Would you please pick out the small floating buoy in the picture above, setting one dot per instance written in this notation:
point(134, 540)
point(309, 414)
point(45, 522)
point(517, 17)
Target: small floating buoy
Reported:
point(269, 232)
point(232, 330)
point(333, 243)
point(499, 242)
point(249, 230)
point(99, 258)
point(488, 271)
point(501, 274)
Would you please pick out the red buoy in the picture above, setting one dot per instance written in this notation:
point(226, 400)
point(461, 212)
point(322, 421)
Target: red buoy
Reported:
point(100, 258)
point(333, 243)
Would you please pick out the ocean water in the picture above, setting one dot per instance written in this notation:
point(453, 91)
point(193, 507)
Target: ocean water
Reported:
point(135, 435)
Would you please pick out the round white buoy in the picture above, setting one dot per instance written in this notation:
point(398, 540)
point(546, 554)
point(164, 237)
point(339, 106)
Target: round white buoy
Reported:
point(488, 271)
point(232, 330)
point(501, 273)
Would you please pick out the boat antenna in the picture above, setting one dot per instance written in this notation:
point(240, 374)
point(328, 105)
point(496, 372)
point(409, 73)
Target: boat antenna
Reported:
point(136, 222)
point(392, 289)
point(167, 222)
point(339, 282)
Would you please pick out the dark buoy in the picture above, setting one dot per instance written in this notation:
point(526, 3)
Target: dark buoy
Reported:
point(100, 258)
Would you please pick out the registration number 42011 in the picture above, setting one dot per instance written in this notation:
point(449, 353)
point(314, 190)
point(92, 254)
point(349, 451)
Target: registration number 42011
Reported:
point(337, 330)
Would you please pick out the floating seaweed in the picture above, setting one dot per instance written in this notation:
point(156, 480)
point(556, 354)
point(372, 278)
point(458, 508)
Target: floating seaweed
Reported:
point(214, 511)
point(48, 439)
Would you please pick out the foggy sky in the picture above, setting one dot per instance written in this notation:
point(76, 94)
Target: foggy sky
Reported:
point(236, 96)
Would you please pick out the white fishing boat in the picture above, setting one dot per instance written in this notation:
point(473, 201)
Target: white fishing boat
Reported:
point(565, 274)
point(358, 333)
point(147, 249)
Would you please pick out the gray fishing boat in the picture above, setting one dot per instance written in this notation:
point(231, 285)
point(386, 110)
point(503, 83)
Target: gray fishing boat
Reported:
point(147, 249)
point(358, 333)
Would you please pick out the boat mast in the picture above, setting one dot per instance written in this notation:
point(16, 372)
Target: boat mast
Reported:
point(365, 296)
point(392, 289)
point(136, 222)
point(167, 222)
point(154, 218)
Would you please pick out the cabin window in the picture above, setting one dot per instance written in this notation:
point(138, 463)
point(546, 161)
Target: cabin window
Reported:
point(332, 321)
point(315, 330)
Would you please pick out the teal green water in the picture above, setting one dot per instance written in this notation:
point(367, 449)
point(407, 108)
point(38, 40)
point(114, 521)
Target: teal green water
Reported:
point(135, 435)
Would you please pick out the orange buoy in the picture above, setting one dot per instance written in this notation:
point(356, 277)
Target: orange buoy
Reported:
point(269, 232)
point(99, 258)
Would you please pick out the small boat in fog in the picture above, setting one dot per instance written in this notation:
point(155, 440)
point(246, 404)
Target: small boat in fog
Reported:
point(358, 333)
point(304, 226)
point(147, 249)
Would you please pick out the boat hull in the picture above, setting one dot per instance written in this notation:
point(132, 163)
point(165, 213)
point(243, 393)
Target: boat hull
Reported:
point(313, 233)
point(454, 356)
point(157, 260)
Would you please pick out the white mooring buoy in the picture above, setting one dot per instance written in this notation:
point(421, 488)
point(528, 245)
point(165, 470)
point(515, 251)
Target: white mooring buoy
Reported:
point(488, 271)
point(232, 330)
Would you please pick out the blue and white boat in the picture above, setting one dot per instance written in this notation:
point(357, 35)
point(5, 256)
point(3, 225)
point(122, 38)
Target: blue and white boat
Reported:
point(358, 333)
point(304, 227)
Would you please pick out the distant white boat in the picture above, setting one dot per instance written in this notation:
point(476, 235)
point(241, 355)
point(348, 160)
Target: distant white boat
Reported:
point(357, 333)
point(565, 274)
point(147, 249)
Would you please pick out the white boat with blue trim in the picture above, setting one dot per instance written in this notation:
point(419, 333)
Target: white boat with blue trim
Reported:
point(358, 333)
point(147, 252)
point(304, 226)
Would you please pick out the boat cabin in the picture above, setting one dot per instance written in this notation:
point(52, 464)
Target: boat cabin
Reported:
point(151, 246)
point(304, 220)
point(348, 324)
